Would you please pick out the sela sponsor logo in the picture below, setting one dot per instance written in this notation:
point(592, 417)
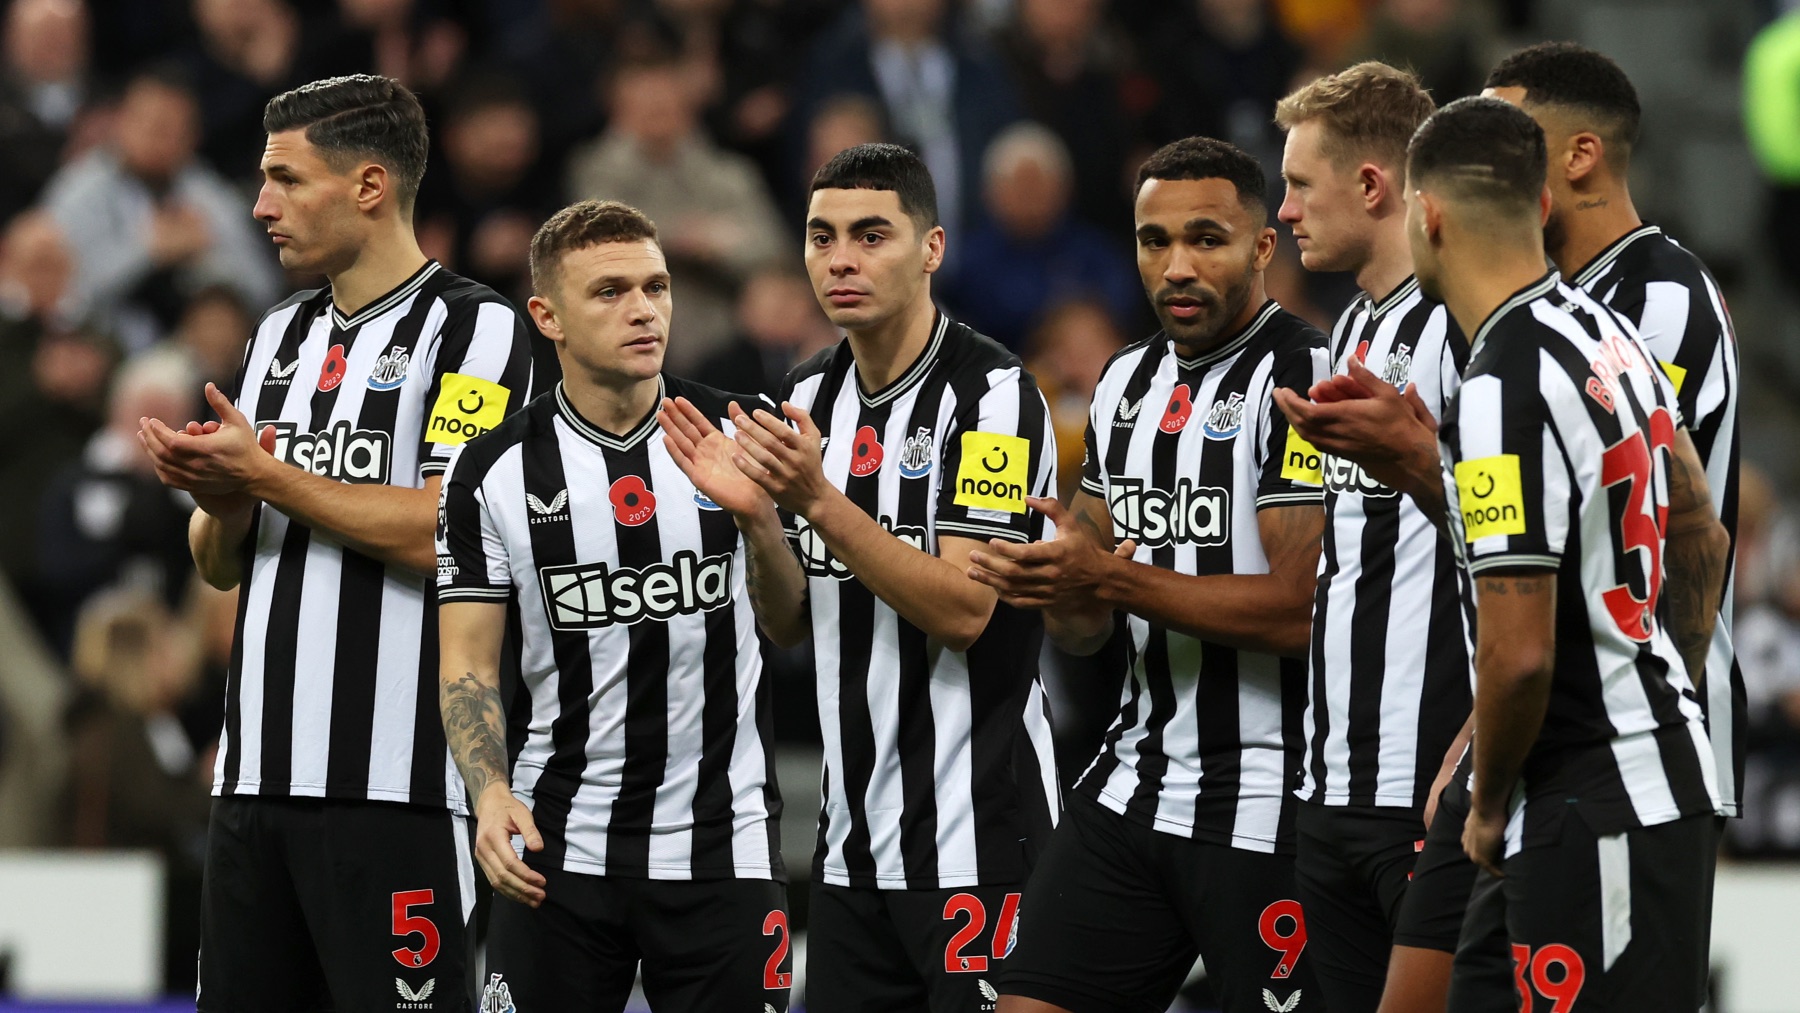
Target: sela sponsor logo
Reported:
point(545, 513)
point(1191, 515)
point(592, 596)
point(1181, 405)
point(410, 999)
point(1491, 496)
point(632, 501)
point(1128, 412)
point(497, 997)
point(1345, 477)
point(993, 472)
point(1225, 419)
point(865, 457)
point(282, 376)
point(331, 372)
point(816, 559)
point(1287, 1005)
point(344, 453)
point(915, 454)
point(390, 369)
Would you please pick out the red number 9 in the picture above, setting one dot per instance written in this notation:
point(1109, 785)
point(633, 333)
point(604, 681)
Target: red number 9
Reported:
point(1289, 943)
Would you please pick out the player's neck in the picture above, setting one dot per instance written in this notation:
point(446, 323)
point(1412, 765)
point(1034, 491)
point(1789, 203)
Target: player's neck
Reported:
point(1477, 280)
point(886, 350)
point(389, 257)
point(1595, 221)
point(613, 403)
point(1390, 259)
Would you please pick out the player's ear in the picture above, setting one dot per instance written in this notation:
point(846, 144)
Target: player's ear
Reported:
point(1585, 153)
point(1265, 248)
point(1544, 206)
point(372, 185)
point(934, 249)
point(1373, 181)
point(1431, 213)
point(543, 313)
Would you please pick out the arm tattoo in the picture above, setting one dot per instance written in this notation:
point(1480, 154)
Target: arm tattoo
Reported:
point(474, 726)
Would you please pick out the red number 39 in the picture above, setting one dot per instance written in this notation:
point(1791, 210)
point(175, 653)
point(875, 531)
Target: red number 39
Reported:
point(408, 924)
point(1642, 525)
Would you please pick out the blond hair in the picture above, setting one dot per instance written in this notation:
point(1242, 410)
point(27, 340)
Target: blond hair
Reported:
point(1369, 112)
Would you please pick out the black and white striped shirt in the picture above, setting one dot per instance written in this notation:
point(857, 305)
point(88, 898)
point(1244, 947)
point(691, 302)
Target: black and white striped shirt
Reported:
point(1388, 685)
point(1185, 452)
point(332, 687)
point(1668, 293)
point(646, 750)
point(1557, 450)
point(939, 770)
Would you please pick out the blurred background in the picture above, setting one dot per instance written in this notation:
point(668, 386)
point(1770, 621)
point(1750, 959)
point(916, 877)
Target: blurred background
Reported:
point(131, 272)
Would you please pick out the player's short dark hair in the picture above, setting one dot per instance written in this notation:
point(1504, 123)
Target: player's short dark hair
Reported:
point(581, 225)
point(1209, 158)
point(1581, 80)
point(882, 166)
point(359, 116)
point(1482, 149)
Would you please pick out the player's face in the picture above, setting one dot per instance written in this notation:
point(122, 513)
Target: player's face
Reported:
point(610, 314)
point(867, 257)
point(310, 211)
point(1561, 194)
point(1324, 204)
point(1425, 263)
point(1199, 251)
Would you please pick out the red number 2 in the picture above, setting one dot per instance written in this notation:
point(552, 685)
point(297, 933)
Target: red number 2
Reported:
point(773, 975)
point(1291, 942)
point(1531, 972)
point(954, 961)
point(406, 923)
point(1632, 461)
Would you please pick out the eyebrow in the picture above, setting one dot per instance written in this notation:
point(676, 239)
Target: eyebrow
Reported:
point(861, 224)
point(621, 281)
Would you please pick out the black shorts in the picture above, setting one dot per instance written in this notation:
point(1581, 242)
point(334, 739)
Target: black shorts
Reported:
point(1431, 913)
point(901, 951)
point(707, 945)
point(1351, 866)
point(1117, 912)
point(1600, 922)
point(321, 904)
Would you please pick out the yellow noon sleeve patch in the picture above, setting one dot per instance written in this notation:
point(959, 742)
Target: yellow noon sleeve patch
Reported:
point(994, 471)
point(467, 406)
point(1675, 374)
point(1492, 497)
point(1300, 462)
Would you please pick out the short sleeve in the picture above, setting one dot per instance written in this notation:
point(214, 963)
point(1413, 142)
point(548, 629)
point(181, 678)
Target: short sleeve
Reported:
point(481, 374)
point(1508, 486)
point(1288, 468)
point(472, 562)
point(1091, 481)
point(999, 451)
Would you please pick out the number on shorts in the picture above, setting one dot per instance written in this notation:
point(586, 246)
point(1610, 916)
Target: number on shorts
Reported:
point(954, 960)
point(773, 975)
point(1008, 924)
point(406, 924)
point(1533, 973)
point(1290, 942)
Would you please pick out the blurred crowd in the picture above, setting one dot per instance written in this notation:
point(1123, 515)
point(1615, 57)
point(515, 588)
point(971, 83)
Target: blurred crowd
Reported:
point(131, 270)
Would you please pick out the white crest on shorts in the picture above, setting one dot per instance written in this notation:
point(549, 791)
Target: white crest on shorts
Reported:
point(497, 996)
point(408, 995)
point(769, 1007)
point(1292, 1002)
point(987, 990)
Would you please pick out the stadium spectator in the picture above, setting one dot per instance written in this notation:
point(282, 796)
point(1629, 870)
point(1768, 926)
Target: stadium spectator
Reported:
point(710, 207)
point(1444, 42)
point(942, 98)
point(1220, 65)
point(43, 86)
point(105, 521)
point(1767, 637)
point(135, 780)
point(1031, 251)
point(1067, 352)
point(150, 223)
point(36, 272)
point(478, 213)
point(214, 327)
point(842, 121)
point(410, 42)
point(778, 324)
point(244, 53)
point(1069, 69)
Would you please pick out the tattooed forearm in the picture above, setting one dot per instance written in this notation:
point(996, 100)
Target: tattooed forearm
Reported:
point(775, 583)
point(1695, 566)
point(474, 725)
